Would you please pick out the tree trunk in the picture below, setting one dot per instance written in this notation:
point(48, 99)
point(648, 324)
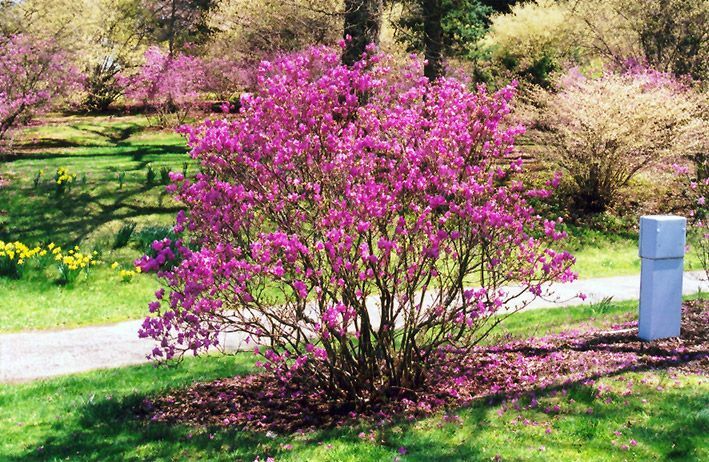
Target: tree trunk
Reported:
point(362, 24)
point(171, 31)
point(432, 39)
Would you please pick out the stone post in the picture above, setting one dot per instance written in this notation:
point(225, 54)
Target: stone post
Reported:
point(662, 242)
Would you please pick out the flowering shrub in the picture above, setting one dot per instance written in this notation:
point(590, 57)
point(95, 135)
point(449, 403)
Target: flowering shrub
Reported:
point(32, 75)
point(353, 220)
point(603, 131)
point(226, 77)
point(14, 256)
point(168, 85)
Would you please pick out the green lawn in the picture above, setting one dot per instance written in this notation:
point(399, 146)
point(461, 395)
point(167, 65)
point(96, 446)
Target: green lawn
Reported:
point(99, 149)
point(39, 303)
point(602, 255)
point(90, 417)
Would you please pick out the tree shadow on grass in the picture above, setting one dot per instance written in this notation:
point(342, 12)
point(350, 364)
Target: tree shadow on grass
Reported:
point(135, 152)
point(109, 430)
point(40, 214)
point(77, 214)
point(113, 133)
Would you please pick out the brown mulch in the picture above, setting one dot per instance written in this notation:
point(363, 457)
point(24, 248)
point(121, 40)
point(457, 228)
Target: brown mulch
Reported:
point(258, 402)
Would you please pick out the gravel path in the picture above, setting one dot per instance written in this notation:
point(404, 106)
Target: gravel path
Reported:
point(32, 355)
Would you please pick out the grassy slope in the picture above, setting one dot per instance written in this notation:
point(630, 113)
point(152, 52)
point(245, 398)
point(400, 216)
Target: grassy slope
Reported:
point(91, 213)
point(89, 417)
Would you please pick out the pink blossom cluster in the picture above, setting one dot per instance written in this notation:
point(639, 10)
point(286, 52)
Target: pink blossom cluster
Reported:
point(166, 83)
point(634, 70)
point(652, 78)
point(225, 76)
point(32, 75)
point(342, 220)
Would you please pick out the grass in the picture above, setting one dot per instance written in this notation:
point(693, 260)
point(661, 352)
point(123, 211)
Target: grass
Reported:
point(90, 417)
point(36, 303)
point(97, 150)
point(100, 148)
point(601, 254)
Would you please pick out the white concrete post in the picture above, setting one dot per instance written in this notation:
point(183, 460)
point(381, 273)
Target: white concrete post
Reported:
point(662, 242)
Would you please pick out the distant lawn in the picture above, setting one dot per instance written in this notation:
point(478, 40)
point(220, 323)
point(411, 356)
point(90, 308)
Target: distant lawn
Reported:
point(97, 150)
point(90, 417)
point(603, 255)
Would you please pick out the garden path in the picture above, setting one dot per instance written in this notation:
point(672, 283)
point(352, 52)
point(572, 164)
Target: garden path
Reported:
point(32, 355)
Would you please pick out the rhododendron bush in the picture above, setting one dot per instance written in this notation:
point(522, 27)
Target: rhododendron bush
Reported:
point(167, 84)
point(353, 223)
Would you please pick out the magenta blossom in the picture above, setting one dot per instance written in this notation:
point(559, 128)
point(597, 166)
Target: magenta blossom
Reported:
point(354, 219)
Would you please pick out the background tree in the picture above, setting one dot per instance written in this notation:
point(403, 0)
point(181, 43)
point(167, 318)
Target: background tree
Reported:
point(59, 21)
point(33, 73)
point(178, 22)
point(168, 85)
point(246, 32)
point(442, 28)
point(257, 28)
point(362, 23)
point(9, 18)
point(668, 35)
point(532, 42)
point(118, 39)
point(100, 37)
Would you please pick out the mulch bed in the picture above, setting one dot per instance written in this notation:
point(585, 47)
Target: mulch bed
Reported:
point(542, 364)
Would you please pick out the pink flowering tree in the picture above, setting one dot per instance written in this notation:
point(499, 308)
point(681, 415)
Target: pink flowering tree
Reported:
point(169, 86)
point(33, 74)
point(352, 222)
point(226, 77)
